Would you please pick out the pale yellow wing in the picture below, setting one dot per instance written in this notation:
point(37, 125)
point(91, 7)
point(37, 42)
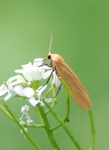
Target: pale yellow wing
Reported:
point(77, 90)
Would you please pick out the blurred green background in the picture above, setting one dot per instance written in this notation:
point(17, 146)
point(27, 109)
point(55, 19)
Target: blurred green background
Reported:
point(81, 36)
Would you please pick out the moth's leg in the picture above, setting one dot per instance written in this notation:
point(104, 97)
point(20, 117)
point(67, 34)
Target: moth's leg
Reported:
point(57, 91)
point(47, 79)
point(45, 65)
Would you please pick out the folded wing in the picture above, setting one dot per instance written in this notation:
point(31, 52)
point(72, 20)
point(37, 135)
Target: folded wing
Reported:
point(77, 90)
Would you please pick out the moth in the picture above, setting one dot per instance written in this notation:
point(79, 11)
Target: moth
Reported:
point(77, 90)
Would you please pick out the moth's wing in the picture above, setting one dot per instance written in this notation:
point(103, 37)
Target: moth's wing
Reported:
point(77, 90)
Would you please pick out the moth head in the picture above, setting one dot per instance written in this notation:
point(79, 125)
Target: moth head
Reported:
point(49, 56)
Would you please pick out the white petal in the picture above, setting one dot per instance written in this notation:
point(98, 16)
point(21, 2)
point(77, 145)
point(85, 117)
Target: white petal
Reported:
point(12, 79)
point(2, 87)
point(27, 65)
point(18, 71)
point(28, 92)
point(3, 92)
point(8, 97)
point(38, 61)
point(47, 74)
point(27, 74)
point(40, 90)
point(24, 109)
point(29, 121)
point(34, 102)
point(11, 90)
point(16, 82)
point(58, 83)
point(36, 73)
point(46, 67)
point(22, 122)
point(41, 103)
point(19, 90)
point(56, 80)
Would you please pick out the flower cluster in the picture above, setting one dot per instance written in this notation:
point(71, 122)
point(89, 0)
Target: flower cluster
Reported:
point(27, 85)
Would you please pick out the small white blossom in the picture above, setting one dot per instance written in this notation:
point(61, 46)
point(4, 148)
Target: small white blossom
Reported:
point(12, 87)
point(33, 72)
point(29, 93)
point(41, 104)
point(24, 111)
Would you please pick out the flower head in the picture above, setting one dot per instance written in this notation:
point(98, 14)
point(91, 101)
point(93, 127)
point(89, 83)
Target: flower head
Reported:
point(27, 86)
point(29, 93)
point(31, 72)
point(12, 87)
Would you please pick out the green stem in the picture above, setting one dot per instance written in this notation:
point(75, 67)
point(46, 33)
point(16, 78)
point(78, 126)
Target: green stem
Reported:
point(34, 125)
point(44, 120)
point(47, 128)
point(64, 126)
point(52, 106)
point(21, 127)
point(67, 101)
point(92, 131)
point(55, 127)
point(50, 89)
point(34, 89)
point(6, 112)
point(54, 100)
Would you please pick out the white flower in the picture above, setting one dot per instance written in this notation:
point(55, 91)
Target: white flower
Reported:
point(24, 111)
point(29, 93)
point(11, 87)
point(19, 86)
point(25, 116)
point(33, 72)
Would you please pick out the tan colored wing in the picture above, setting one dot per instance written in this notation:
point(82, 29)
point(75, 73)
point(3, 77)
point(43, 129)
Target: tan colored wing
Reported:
point(77, 90)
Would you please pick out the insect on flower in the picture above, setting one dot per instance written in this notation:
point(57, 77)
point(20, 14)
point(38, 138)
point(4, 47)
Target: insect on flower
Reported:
point(76, 89)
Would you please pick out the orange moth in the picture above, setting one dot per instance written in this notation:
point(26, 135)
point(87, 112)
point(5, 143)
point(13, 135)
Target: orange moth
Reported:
point(76, 89)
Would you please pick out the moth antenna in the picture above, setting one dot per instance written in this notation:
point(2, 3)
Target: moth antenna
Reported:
point(50, 42)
